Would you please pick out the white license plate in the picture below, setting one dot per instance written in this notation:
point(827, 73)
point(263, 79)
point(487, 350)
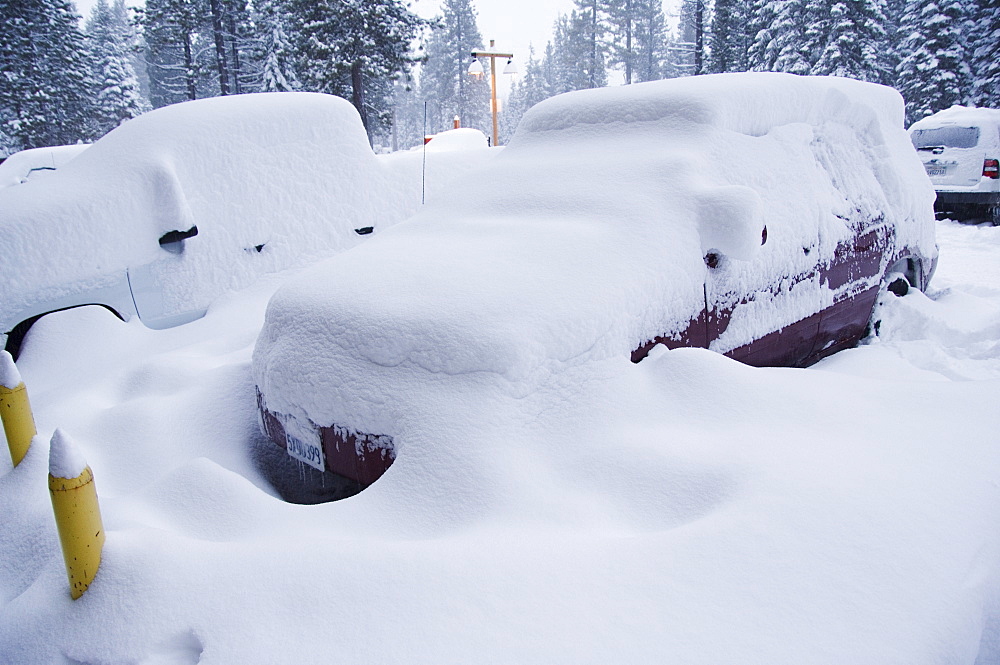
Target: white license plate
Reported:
point(939, 170)
point(306, 450)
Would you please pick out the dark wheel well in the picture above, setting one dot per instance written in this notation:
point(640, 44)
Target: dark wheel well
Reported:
point(15, 338)
point(910, 268)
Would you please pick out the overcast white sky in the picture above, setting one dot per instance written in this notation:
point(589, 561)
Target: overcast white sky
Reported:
point(514, 24)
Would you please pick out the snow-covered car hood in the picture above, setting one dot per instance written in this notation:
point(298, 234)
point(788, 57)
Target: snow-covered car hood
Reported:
point(587, 236)
point(34, 162)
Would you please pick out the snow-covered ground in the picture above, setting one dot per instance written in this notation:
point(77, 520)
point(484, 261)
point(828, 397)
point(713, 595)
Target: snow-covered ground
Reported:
point(687, 509)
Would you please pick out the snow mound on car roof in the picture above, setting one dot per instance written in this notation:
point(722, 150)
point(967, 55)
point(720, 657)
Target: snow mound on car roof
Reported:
point(957, 115)
point(752, 104)
point(463, 138)
point(291, 171)
point(588, 238)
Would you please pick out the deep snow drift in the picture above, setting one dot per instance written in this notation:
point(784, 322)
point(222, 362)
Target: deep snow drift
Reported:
point(687, 509)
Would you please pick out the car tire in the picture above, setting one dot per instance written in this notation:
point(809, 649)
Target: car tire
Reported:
point(899, 286)
point(895, 284)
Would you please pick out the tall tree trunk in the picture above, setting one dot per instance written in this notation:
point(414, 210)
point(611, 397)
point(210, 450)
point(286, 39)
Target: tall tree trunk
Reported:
point(220, 46)
point(699, 34)
point(463, 112)
point(190, 75)
point(593, 44)
point(234, 51)
point(358, 95)
point(628, 42)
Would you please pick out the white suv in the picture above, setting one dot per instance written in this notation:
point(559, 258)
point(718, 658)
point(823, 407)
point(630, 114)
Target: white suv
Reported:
point(960, 148)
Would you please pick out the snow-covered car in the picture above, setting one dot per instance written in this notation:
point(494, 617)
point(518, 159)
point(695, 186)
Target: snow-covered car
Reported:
point(18, 168)
point(960, 148)
point(756, 215)
point(174, 207)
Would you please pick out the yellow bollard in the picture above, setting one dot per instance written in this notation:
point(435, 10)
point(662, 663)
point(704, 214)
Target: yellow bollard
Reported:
point(78, 515)
point(15, 410)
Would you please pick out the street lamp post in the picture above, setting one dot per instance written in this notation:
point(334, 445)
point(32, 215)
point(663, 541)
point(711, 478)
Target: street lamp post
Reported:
point(476, 69)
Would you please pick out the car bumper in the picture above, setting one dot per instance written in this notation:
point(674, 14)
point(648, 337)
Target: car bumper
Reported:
point(359, 456)
point(979, 198)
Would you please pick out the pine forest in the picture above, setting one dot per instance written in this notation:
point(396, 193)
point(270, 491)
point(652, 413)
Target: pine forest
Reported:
point(67, 79)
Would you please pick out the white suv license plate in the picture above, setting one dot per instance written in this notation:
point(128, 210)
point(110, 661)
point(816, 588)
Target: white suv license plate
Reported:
point(940, 170)
point(309, 452)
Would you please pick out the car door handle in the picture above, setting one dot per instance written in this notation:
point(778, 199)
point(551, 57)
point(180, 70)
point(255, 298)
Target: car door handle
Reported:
point(177, 236)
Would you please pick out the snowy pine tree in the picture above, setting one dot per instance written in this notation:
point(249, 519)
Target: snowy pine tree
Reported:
point(178, 51)
point(407, 127)
point(354, 48)
point(636, 38)
point(444, 79)
point(984, 49)
point(689, 48)
point(112, 42)
point(855, 42)
point(792, 47)
point(228, 25)
point(46, 88)
point(763, 52)
point(196, 48)
point(621, 17)
point(933, 72)
point(730, 38)
point(274, 49)
point(524, 93)
point(589, 24)
point(651, 50)
point(571, 64)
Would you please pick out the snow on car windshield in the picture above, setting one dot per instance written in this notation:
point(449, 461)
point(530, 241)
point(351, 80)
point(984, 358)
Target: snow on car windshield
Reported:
point(945, 137)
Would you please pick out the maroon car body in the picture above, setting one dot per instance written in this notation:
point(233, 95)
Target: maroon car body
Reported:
point(856, 272)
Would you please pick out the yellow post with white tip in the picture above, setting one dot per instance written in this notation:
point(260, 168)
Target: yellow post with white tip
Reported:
point(78, 515)
point(15, 410)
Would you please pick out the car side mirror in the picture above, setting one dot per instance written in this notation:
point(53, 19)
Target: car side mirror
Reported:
point(730, 221)
point(173, 241)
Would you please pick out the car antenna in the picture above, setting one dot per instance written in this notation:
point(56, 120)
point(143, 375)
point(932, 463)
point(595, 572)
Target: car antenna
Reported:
point(423, 168)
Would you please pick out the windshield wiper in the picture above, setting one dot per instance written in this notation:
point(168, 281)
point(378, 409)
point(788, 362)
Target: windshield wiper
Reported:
point(936, 149)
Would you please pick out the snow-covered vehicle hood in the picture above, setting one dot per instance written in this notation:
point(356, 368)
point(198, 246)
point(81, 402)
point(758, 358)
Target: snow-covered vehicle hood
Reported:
point(588, 236)
point(34, 162)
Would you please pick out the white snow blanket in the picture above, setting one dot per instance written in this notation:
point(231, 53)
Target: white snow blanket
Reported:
point(684, 510)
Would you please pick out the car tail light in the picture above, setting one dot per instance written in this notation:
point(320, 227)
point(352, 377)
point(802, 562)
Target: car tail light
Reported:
point(991, 168)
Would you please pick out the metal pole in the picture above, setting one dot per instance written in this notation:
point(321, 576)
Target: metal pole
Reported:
point(493, 95)
point(493, 83)
point(423, 166)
